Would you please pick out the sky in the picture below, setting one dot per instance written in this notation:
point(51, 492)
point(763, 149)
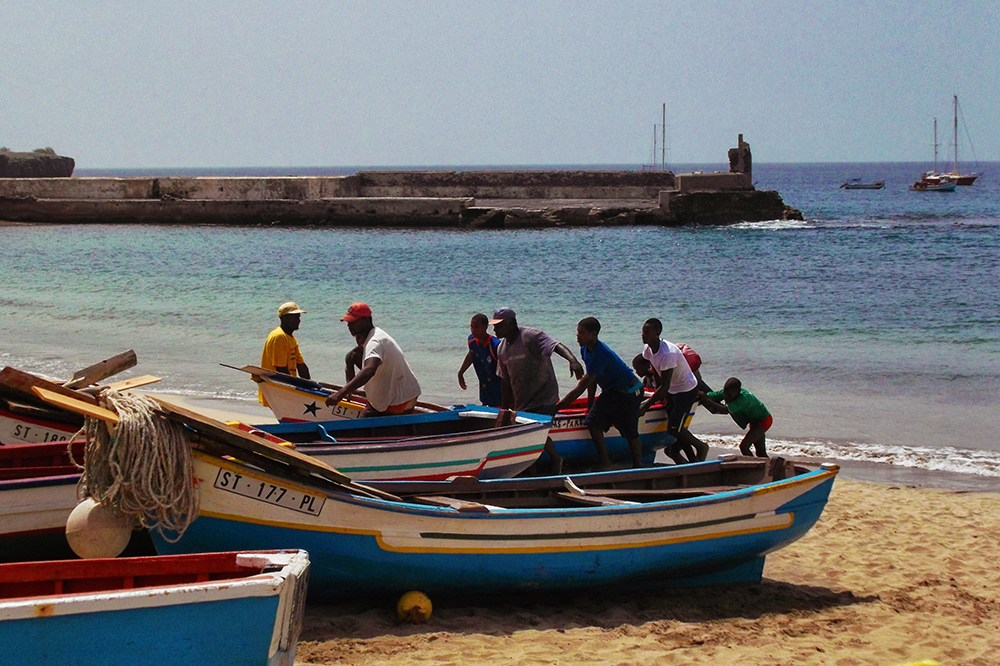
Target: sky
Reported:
point(539, 82)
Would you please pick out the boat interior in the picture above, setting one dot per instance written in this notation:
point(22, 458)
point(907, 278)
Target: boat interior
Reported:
point(36, 579)
point(32, 461)
point(626, 487)
point(387, 429)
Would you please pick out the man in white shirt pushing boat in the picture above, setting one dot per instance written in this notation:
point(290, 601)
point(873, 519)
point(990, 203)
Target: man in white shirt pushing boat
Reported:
point(390, 385)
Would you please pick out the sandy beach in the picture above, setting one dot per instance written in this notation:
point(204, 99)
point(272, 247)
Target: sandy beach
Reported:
point(890, 575)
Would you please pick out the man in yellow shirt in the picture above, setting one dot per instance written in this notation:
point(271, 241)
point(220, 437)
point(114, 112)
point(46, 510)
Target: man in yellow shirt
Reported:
point(281, 351)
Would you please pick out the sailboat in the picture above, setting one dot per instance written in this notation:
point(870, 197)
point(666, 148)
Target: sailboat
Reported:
point(960, 178)
point(932, 181)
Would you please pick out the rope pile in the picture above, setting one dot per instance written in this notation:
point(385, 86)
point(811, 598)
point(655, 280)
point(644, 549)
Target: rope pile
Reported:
point(142, 468)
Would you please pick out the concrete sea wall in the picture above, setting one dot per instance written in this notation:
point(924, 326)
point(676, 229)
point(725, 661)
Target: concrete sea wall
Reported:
point(464, 199)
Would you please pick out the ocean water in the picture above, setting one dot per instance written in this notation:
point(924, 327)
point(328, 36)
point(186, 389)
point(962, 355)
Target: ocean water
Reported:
point(871, 329)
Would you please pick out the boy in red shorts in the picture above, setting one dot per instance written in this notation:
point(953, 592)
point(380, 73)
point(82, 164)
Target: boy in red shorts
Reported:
point(745, 409)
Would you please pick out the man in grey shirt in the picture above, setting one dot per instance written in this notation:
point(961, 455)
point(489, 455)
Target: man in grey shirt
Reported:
point(524, 363)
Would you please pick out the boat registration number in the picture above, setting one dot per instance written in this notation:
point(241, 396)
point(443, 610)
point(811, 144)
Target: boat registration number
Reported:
point(347, 411)
point(265, 491)
point(567, 422)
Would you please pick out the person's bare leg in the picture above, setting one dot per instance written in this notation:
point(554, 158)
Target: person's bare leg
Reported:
point(695, 444)
point(557, 461)
point(635, 447)
point(603, 461)
point(755, 438)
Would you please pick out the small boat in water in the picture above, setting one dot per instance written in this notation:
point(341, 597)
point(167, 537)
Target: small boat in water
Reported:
point(962, 179)
point(857, 184)
point(932, 181)
point(224, 609)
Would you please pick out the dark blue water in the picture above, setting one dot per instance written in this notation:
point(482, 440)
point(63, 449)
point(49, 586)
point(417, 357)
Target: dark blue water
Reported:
point(870, 329)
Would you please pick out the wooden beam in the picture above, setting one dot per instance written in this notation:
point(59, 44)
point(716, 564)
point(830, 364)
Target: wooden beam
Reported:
point(23, 382)
point(106, 368)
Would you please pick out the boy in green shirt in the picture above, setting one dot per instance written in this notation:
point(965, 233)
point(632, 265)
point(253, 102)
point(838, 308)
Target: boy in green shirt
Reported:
point(745, 409)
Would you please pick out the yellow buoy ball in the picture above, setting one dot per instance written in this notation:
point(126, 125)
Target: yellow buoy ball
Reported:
point(93, 530)
point(414, 607)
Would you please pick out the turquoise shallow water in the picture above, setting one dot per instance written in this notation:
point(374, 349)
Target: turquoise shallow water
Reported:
point(870, 329)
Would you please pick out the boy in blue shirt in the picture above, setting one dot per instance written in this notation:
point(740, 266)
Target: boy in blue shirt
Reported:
point(621, 393)
point(482, 356)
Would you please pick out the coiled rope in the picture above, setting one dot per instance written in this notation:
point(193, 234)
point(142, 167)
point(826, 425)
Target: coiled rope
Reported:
point(142, 468)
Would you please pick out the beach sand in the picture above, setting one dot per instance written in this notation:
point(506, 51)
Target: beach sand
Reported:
point(890, 575)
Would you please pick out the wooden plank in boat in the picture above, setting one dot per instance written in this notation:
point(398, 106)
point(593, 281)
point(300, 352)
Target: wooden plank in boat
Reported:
point(23, 382)
point(648, 494)
point(106, 368)
point(595, 500)
point(74, 404)
point(135, 382)
point(460, 505)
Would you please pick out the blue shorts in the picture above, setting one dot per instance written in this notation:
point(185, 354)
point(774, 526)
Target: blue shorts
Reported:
point(614, 408)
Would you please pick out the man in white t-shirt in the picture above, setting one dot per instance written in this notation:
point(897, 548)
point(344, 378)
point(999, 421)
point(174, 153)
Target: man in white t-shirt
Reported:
point(678, 387)
point(390, 385)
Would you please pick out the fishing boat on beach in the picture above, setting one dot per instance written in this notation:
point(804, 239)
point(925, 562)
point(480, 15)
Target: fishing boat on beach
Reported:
point(704, 523)
point(297, 400)
point(438, 445)
point(26, 419)
point(858, 184)
point(232, 609)
point(37, 493)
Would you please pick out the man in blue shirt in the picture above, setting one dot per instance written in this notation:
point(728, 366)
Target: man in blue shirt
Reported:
point(621, 393)
point(482, 356)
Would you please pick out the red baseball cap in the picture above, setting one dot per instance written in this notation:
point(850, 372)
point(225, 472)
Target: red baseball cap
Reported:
point(357, 311)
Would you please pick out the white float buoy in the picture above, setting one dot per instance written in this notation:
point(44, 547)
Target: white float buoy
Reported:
point(93, 531)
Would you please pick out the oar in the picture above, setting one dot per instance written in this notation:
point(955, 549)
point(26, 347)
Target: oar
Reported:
point(106, 368)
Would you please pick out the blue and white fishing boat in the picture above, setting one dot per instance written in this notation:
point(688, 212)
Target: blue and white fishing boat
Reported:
point(296, 400)
point(429, 446)
point(706, 523)
point(225, 609)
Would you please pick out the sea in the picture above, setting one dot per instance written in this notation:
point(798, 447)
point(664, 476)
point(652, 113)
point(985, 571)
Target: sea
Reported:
point(870, 329)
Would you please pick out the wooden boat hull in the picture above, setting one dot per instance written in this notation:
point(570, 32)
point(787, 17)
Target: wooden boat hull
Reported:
point(926, 186)
point(361, 546)
point(161, 614)
point(38, 486)
point(299, 403)
point(21, 429)
point(37, 494)
point(466, 443)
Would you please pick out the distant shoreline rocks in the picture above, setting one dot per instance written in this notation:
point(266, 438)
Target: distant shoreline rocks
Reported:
point(41, 163)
